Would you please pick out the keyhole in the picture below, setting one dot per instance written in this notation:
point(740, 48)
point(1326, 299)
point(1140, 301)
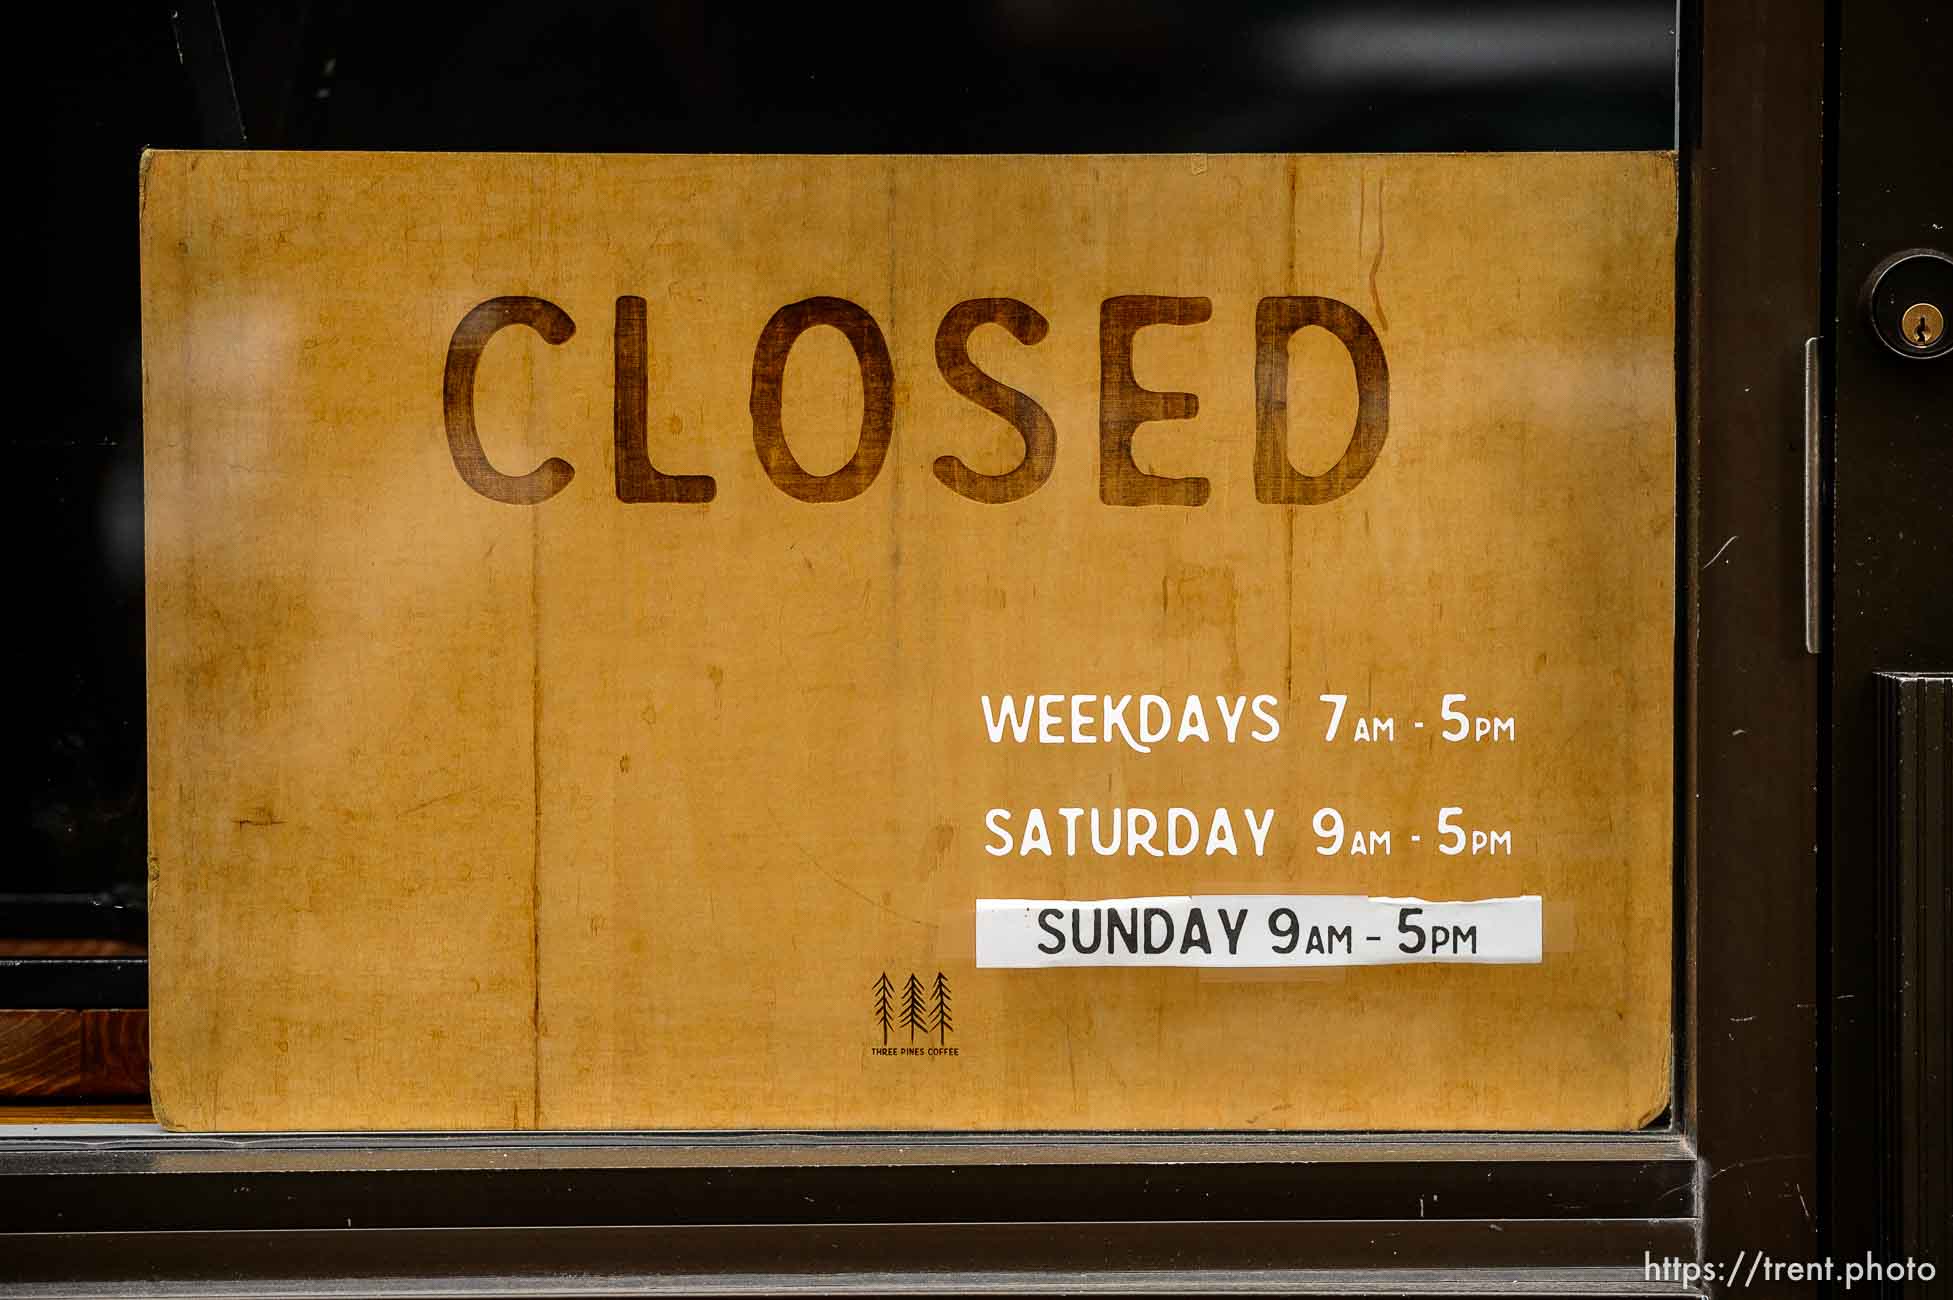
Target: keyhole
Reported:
point(1921, 326)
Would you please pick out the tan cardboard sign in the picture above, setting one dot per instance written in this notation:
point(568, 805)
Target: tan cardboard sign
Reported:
point(612, 619)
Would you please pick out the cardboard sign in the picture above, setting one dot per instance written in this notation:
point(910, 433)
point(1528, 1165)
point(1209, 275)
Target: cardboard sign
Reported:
point(611, 619)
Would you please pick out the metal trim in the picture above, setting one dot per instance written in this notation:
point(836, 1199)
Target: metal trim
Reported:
point(1813, 497)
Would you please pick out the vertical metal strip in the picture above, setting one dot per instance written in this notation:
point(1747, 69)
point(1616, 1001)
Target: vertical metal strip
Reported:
point(1813, 498)
point(1913, 1096)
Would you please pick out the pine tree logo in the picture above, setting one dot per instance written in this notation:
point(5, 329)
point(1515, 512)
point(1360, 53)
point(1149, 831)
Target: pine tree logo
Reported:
point(885, 1005)
point(922, 1009)
point(939, 1013)
point(914, 1015)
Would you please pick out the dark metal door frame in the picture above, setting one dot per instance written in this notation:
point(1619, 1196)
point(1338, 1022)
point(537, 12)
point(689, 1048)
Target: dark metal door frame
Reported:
point(1889, 611)
point(1754, 290)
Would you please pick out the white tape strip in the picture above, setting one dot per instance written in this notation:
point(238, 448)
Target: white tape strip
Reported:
point(1254, 930)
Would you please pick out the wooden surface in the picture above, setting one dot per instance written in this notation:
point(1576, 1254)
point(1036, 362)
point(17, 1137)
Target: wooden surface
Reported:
point(70, 948)
point(74, 1054)
point(130, 1112)
point(501, 777)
